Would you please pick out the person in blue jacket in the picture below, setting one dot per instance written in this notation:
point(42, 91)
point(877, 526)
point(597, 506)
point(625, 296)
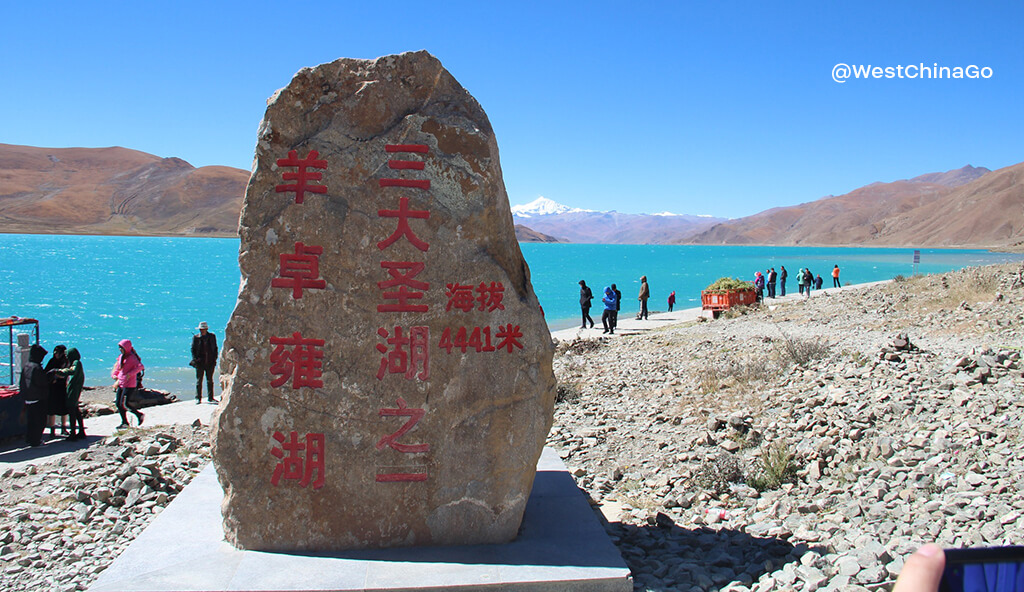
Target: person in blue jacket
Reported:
point(608, 316)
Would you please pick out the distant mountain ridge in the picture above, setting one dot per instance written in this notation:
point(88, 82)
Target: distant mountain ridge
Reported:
point(115, 191)
point(576, 225)
point(965, 207)
point(121, 191)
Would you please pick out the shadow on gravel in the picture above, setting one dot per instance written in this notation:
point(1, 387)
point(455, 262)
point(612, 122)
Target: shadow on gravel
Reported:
point(17, 451)
point(667, 557)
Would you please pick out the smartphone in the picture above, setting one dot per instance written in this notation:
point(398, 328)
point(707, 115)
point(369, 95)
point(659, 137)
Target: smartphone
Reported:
point(988, 569)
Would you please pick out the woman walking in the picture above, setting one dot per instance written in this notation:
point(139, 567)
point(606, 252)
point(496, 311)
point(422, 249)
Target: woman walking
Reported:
point(126, 372)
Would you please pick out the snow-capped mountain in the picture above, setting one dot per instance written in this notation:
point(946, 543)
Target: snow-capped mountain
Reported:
point(543, 206)
point(576, 225)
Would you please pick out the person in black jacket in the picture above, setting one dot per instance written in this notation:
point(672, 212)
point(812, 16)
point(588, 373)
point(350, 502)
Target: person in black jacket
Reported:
point(618, 306)
point(204, 360)
point(56, 405)
point(35, 388)
point(586, 295)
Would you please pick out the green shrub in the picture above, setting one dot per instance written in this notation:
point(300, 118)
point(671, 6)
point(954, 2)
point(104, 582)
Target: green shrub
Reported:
point(775, 466)
point(725, 284)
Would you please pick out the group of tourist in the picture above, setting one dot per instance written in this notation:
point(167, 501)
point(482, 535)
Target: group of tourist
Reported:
point(52, 392)
point(765, 283)
point(612, 301)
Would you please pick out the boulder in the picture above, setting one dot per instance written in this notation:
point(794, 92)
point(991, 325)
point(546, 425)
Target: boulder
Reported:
point(387, 371)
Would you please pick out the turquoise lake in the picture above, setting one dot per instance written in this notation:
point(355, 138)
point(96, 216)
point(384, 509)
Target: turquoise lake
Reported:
point(90, 292)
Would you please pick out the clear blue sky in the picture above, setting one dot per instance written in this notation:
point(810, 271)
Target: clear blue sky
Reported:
point(722, 108)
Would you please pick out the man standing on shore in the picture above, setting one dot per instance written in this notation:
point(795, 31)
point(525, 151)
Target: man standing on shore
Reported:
point(835, 277)
point(204, 360)
point(772, 276)
point(782, 279)
point(618, 307)
point(586, 295)
point(645, 293)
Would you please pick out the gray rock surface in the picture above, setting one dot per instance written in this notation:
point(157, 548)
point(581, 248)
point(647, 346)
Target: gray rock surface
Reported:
point(387, 369)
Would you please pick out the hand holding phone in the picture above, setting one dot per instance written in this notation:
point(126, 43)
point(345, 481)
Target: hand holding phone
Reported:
point(990, 569)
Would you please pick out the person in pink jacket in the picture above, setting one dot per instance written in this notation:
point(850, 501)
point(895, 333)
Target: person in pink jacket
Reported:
point(126, 372)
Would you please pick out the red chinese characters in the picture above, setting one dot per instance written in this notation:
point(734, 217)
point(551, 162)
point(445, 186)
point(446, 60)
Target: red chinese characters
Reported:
point(485, 298)
point(405, 287)
point(407, 353)
point(298, 359)
point(403, 213)
point(391, 441)
point(294, 465)
point(300, 269)
point(417, 165)
point(403, 353)
point(302, 176)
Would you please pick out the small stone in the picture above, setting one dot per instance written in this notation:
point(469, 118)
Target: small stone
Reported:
point(848, 566)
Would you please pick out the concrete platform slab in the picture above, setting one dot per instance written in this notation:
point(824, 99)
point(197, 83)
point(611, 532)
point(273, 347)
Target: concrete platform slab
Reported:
point(562, 547)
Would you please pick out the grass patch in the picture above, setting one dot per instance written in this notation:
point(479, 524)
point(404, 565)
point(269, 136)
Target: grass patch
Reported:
point(775, 466)
point(799, 351)
point(732, 371)
point(930, 293)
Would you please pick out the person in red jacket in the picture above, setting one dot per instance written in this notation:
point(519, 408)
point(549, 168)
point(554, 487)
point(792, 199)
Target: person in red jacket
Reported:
point(126, 372)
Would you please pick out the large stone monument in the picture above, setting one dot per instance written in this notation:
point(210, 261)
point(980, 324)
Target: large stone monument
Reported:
point(387, 368)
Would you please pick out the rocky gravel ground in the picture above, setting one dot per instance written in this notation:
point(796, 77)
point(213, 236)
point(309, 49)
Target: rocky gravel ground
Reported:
point(810, 445)
point(63, 523)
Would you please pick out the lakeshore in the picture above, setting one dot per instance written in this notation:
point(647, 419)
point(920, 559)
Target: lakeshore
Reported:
point(788, 446)
point(85, 298)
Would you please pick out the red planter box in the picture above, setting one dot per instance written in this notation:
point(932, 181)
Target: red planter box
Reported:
point(718, 301)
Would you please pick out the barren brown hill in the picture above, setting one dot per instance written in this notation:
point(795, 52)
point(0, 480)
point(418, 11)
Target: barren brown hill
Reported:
point(525, 234)
point(115, 191)
point(987, 211)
